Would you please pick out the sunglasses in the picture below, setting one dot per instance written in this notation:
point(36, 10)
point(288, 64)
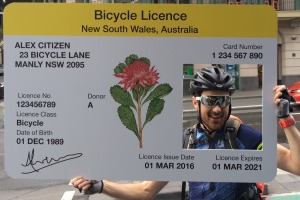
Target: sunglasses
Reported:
point(211, 101)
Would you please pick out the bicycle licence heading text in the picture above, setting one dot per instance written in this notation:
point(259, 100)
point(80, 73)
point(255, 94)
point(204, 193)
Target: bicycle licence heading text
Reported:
point(144, 15)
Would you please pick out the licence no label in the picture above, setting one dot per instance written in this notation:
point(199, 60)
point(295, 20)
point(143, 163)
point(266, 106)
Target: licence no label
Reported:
point(96, 90)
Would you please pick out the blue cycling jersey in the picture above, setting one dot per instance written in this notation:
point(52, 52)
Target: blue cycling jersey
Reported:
point(247, 138)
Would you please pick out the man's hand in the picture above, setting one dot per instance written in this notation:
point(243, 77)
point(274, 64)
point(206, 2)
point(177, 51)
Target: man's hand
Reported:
point(282, 99)
point(88, 187)
point(96, 187)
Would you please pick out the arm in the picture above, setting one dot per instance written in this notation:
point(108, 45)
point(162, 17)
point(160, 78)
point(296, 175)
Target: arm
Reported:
point(288, 159)
point(143, 190)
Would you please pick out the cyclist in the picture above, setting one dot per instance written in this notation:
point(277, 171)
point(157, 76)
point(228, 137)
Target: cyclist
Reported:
point(212, 89)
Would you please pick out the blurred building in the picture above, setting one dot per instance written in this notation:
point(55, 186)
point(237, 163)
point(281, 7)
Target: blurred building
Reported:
point(249, 77)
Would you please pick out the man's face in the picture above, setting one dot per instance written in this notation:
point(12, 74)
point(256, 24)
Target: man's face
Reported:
point(213, 117)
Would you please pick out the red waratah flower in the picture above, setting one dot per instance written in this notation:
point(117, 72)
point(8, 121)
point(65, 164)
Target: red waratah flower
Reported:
point(138, 72)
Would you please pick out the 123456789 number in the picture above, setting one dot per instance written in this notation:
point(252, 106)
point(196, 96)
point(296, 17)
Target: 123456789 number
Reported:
point(36, 104)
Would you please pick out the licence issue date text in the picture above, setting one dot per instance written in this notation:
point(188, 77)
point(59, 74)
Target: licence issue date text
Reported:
point(168, 165)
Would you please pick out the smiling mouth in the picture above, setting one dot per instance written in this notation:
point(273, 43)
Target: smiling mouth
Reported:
point(216, 117)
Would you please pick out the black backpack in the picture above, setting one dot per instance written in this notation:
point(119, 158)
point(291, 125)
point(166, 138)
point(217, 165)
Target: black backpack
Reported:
point(231, 128)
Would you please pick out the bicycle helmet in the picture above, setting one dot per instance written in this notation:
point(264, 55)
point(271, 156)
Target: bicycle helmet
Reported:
point(211, 78)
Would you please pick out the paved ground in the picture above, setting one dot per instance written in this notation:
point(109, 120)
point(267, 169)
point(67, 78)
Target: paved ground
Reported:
point(285, 186)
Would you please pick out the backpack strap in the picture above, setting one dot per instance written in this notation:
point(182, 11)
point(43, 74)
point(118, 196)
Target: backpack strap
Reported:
point(188, 143)
point(253, 193)
point(230, 132)
point(190, 137)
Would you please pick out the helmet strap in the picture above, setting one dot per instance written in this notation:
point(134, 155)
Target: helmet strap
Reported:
point(204, 126)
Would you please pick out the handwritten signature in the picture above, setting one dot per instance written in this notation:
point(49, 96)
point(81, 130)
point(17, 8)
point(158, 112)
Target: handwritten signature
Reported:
point(48, 161)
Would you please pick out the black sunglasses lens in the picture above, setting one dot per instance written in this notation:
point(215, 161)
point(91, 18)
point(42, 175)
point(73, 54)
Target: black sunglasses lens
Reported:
point(211, 101)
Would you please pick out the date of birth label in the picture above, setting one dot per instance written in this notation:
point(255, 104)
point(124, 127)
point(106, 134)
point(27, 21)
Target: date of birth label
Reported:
point(168, 165)
point(237, 166)
point(238, 55)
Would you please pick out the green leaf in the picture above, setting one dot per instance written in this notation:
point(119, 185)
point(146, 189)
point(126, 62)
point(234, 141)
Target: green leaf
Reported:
point(130, 59)
point(155, 107)
point(127, 118)
point(121, 96)
point(159, 92)
point(138, 90)
point(146, 60)
point(119, 68)
point(148, 88)
point(135, 93)
point(142, 91)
